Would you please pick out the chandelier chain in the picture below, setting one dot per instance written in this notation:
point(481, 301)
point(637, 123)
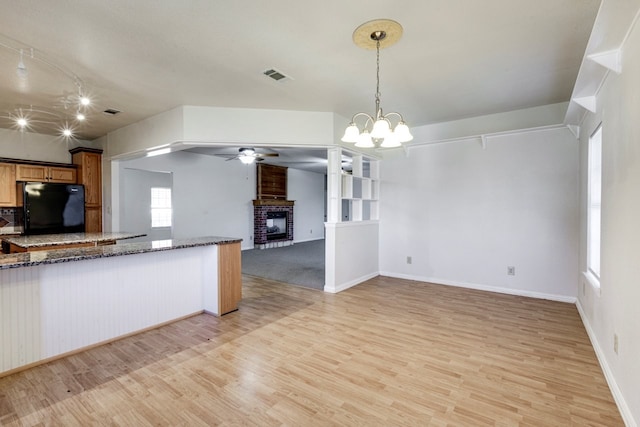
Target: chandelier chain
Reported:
point(378, 111)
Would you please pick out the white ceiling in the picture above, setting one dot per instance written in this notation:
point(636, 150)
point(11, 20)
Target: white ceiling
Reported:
point(456, 59)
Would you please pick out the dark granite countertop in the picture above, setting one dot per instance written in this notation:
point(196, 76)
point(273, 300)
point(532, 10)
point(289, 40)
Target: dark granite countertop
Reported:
point(66, 239)
point(27, 259)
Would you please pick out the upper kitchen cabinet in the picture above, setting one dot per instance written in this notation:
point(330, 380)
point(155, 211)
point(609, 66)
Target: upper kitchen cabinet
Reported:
point(7, 185)
point(38, 173)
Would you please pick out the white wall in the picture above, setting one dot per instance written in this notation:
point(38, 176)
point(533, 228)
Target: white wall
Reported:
point(188, 126)
point(464, 214)
point(257, 126)
point(213, 197)
point(528, 118)
point(133, 140)
point(351, 254)
point(614, 308)
point(34, 146)
point(307, 189)
point(135, 207)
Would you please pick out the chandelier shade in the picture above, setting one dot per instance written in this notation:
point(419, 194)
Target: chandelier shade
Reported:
point(391, 141)
point(365, 140)
point(377, 130)
point(381, 129)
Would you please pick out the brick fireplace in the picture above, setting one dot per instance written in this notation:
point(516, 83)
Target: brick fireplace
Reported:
point(272, 223)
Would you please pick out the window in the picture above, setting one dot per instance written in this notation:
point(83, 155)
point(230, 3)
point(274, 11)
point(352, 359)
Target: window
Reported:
point(594, 200)
point(160, 207)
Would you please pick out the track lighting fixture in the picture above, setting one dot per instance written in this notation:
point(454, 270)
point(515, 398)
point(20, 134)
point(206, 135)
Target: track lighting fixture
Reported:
point(39, 117)
point(33, 117)
point(22, 69)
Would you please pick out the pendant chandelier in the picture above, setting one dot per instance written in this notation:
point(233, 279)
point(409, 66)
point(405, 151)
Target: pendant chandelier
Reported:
point(377, 129)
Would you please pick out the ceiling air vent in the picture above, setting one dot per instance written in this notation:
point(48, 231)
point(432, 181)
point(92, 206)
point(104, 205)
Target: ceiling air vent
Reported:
point(276, 75)
point(111, 111)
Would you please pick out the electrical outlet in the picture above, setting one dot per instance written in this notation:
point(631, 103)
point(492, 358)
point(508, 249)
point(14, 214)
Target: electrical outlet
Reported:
point(409, 260)
point(615, 343)
point(511, 271)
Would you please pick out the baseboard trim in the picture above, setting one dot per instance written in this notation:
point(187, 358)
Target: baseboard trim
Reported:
point(627, 417)
point(508, 291)
point(349, 284)
point(313, 239)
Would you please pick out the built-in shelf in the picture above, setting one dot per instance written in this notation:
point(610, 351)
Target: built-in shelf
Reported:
point(360, 189)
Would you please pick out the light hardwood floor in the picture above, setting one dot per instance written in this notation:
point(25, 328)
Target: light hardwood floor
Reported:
point(387, 352)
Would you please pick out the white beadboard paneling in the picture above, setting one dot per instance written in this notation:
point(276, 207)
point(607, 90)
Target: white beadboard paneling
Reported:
point(48, 310)
point(95, 300)
point(20, 333)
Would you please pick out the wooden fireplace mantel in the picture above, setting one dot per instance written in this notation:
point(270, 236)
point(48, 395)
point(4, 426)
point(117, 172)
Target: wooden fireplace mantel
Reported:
point(273, 202)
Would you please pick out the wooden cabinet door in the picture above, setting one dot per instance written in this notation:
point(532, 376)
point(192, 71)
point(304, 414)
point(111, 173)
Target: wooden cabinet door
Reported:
point(8, 185)
point(229, 277)
point(89, 164)
point(91, 177)
point(45, 174)
point(62, 175)
point(93, 220)
point(31, 173)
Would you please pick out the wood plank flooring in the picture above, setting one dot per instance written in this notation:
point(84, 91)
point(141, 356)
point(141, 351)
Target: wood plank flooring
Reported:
point(388, 352)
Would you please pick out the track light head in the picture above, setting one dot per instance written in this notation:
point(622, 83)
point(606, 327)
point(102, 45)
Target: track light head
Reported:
point(22, 69)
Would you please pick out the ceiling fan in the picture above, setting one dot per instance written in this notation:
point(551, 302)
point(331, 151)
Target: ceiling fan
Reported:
point(248, 155)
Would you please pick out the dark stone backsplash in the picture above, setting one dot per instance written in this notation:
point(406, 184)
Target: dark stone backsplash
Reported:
point(9, 220)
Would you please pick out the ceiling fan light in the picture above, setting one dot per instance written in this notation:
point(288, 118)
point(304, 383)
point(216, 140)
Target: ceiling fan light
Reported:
point(391, 141)
point(247, 160)
point(364, 140)
point(22, 122)
point(351, 133)
point(403, 133)
point(380, 129)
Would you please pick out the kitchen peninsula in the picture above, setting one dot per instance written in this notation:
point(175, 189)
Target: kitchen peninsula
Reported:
point(57, 302)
